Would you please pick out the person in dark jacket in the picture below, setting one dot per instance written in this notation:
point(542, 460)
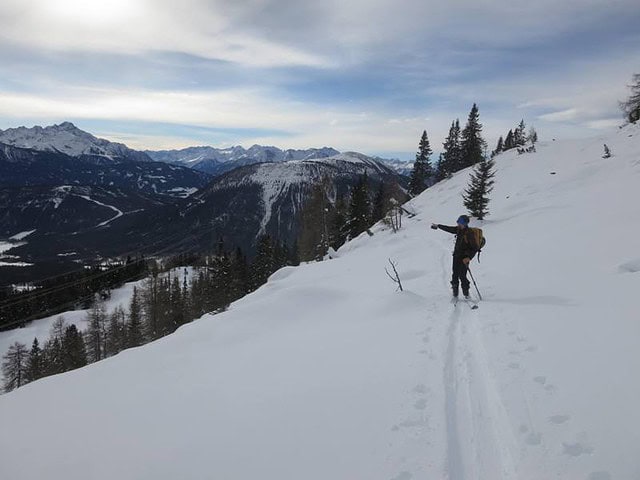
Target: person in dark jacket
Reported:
point(463, 252)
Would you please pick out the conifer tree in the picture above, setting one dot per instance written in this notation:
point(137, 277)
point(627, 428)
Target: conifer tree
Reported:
point(472, 144)
point(519, 135)
point(452, 151)
point(314, 230)
point(135, 337)
point(380, 203)
point(35, 362)
point(96, 333)
point(422, 170)
point(359, 217)
point(53, 357)
point(338, 223)
point(14, 366)
point(73, 349)
point(263, 264)
point(476, 196)
point(116, 332)
point(533, 136)
point(53, 351)
point(508, 142)
point(499, 147)
point(440, 170)
point(240, 274)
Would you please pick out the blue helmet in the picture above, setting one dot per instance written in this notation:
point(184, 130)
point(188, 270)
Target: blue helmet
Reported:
point(463, 220)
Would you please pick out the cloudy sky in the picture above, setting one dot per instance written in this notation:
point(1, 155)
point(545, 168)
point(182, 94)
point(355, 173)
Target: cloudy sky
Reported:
point(365, 75)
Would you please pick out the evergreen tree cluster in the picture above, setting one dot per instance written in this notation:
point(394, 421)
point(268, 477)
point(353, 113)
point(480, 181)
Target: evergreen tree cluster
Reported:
point(517, 138)
point(463, 147)
point(163, 303)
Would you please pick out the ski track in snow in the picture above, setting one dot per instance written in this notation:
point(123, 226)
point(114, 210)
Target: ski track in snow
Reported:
point(106, 222)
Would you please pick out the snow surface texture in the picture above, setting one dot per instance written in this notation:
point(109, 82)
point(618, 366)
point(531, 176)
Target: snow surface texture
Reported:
point(327, 373)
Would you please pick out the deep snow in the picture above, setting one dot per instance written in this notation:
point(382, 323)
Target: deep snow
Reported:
point(327, 373)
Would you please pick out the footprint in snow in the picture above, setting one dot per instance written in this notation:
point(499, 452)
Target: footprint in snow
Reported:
point(541, 380)
point(420, 404)
point(534, 438)
point(403, 476)
point(559, 419)
point(576, 449)
point(599, 476)
point(420, 388)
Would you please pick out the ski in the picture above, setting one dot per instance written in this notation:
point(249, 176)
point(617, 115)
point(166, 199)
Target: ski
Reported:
point(472, 305)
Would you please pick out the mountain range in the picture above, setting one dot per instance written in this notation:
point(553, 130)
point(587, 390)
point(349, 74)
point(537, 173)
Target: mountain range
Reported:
point(86, 198)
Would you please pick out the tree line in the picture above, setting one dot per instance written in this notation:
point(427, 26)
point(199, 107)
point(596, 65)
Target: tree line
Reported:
point(165, 301)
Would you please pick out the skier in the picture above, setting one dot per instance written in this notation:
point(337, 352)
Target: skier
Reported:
point(464, 250)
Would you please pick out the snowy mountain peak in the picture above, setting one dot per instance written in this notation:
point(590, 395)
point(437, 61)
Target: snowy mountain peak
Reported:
point(68, 139)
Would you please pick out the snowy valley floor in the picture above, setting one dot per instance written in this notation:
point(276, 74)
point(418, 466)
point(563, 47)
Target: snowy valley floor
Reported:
point(327, 373)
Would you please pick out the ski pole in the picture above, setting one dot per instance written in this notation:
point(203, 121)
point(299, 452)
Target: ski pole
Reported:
point(474, 282)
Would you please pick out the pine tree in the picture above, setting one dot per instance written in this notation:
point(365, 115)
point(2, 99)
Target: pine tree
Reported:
point(359, 217)
point(53, 357)
point(533, 136)
point(74, 353)
point(422, 170)
point(440, 171)
point(476, 196)
point(631, 106)
point(96, 333)
point(314, 230)
point(499, 147)
point(263, 265)
point(509, 142)
point(472, 144)
point(35, 363)
point(240, 275)
point(380, 203)
point(338, 224)
point(135, 337)
point(116, 332)
point(53, 352)
point(14, 366)
point(452, 152)
point(519, 136)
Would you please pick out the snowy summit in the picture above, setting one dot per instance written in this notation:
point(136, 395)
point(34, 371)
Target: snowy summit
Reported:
point(68, 139)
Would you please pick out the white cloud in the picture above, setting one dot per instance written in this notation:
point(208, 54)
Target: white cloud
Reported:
point(561, 116)
point(139, 26)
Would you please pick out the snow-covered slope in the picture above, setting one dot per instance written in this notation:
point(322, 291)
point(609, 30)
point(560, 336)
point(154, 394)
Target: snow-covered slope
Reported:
point(68, 139)
point(327, 373)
